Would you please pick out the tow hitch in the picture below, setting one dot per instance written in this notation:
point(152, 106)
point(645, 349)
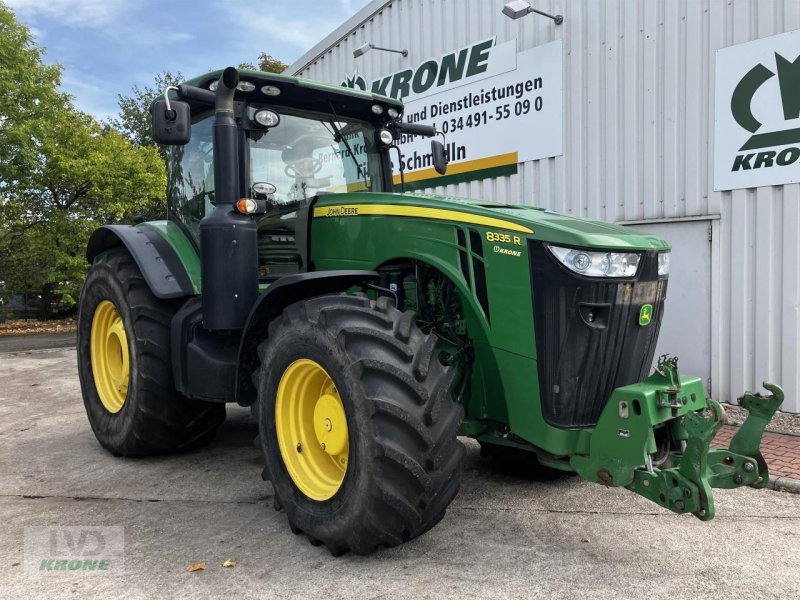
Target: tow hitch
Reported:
point(654, 438)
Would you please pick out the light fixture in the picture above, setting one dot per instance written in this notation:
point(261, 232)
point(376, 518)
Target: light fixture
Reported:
point(364, 48)
point(597, 263)
point(386, 137)
point(516, 9)
point(270, 90)
point(267, 118)
point(244, 86)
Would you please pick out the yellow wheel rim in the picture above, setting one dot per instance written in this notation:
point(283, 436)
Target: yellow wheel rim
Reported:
point(109, 348)
point(311, 427)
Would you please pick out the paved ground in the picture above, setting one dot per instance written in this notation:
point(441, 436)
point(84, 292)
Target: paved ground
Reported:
point(37, 341)
point(781, 451)
point(502, 537)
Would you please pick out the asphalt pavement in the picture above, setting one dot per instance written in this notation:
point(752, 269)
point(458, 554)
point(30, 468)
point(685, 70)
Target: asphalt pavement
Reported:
point(36, 341)
point(503, 537)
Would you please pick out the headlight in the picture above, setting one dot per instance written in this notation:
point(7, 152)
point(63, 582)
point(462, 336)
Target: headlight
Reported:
point(597, 264)
point(244, 86)
point(663, 264)
point(267, 118)
point(386, 137)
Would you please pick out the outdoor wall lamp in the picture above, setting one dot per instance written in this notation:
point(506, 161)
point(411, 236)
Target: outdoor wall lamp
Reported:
point(362, 50)
point(516, 9)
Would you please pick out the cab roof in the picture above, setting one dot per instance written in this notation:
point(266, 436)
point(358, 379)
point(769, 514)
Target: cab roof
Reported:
point(305, 94)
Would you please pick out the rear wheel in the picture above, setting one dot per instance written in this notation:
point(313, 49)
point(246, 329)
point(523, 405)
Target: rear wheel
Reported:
point(125, 367)
point(357, 423)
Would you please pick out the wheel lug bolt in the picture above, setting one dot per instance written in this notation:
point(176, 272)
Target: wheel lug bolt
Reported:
point(299, 447)
point(323, 445)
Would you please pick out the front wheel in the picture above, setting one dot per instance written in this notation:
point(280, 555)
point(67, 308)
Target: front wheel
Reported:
point(357, 423)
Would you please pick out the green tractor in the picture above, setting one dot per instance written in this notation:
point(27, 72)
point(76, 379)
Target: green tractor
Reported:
point(368, 329)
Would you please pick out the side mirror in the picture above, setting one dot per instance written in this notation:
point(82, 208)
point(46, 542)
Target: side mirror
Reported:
point(172, 122)
point(439, 157)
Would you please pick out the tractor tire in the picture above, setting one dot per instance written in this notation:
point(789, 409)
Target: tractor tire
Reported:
point(378, 374)
point(125, 366)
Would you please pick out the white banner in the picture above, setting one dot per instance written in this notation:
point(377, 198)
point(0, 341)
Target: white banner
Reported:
point(496, 107)
point(757, 105)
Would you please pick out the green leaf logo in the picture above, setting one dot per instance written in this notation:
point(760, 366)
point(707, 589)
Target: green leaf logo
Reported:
point(645, 314)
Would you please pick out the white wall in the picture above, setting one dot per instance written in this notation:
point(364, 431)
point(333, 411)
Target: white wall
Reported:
point(638, 140)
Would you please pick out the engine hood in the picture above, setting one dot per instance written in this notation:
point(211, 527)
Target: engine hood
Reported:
point(536, 223)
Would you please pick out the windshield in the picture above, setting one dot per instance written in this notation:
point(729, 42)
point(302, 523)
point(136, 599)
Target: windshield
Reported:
point(304, 155)
point(312, 153)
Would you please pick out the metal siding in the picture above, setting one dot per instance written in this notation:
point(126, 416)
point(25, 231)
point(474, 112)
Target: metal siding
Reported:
point(638, 144)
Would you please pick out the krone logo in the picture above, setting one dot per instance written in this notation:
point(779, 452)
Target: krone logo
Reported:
point(741, 109)
point(356, 82)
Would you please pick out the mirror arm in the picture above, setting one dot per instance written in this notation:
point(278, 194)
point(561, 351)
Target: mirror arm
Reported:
point(190, 92)
point(416, 129)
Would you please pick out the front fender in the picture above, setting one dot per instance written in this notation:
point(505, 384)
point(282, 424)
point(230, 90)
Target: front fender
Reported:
point(163, 269)
point(285, 291)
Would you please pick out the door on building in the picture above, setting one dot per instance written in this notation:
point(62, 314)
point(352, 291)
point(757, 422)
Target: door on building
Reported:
point(686, 328)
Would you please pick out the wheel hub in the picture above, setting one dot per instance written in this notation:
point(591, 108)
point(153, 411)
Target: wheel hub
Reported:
point(109, 354)
point(311, 427)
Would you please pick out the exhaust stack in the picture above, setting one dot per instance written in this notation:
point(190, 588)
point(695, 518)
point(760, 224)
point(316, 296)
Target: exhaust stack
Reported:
point(228, 239)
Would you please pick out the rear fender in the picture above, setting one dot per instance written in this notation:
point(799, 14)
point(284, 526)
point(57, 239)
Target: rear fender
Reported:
point(164, 270)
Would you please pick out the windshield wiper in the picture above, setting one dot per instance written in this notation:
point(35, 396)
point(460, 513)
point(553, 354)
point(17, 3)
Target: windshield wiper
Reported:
point(343, 139)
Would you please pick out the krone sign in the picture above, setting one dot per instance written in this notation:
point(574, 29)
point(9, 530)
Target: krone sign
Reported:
point(757, 113)
point(496, 107)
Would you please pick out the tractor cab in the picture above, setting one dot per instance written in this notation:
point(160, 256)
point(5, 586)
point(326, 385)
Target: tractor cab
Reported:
point(295, 140)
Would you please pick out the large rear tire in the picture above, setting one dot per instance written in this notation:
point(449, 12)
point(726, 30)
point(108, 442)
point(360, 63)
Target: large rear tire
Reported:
point(346, 361)
point(125, 367)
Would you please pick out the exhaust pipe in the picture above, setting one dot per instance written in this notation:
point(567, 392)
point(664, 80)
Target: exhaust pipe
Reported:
point(228, 239)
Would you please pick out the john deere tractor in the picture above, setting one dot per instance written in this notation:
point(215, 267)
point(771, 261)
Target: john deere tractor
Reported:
point(367, 329)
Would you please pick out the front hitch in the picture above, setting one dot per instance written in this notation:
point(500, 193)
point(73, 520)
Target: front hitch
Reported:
point(654, 439)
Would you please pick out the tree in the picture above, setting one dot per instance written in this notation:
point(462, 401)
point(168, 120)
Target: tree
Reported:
point(61, 175)
point(266, 63)
point(28, 92)
point(87, 176)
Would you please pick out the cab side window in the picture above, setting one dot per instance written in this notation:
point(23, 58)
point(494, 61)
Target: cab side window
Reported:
point(191, 175)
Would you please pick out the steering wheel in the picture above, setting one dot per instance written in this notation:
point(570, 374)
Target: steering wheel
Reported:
point(299, 158)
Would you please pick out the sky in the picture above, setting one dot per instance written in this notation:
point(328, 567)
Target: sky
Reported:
point(107, 46)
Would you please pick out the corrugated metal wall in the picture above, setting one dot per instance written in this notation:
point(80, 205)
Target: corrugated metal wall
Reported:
point(638, 132)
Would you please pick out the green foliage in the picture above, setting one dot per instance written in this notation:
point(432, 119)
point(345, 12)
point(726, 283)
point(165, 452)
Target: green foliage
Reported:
point(266, 63)
point(61, 175)
point(28, 91)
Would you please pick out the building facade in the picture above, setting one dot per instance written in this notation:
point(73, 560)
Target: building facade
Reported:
point(671, 116)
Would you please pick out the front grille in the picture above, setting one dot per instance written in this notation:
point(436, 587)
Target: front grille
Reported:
point(588, 337)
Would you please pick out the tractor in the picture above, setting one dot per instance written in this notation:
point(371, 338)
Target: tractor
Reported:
point(368, 328)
